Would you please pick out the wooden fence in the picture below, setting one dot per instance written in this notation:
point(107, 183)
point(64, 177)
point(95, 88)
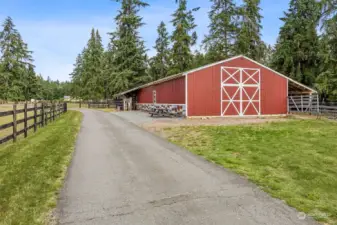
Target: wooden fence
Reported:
point(310, 104)
point(98, 104)
point(102, 104)
point(328, 111)
point(48, 113)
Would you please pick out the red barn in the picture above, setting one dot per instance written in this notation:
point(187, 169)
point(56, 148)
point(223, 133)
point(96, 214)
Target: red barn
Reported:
point(238, 86)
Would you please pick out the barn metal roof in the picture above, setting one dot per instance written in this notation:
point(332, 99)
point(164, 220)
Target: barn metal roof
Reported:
point(172, 77)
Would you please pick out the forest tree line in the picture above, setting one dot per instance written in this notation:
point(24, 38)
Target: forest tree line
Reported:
point(18, 79)
point(306, 48)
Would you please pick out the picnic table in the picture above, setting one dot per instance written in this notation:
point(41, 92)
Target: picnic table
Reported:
point(164, 112)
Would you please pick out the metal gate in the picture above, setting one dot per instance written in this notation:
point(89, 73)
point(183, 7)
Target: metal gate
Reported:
point(303, 103)
point(240, 91)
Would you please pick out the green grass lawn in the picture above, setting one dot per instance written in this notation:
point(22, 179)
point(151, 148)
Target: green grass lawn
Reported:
point(295, 161)
point(32, 171)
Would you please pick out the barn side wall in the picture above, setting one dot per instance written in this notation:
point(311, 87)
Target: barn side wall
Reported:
point(204, 90)
point(169, 92)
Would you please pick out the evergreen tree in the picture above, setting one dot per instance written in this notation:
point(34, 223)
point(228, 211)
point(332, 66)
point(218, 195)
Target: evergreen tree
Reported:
point(249, 41)
point(4, 83)
point(98, 81)
point(267, 55)
point(199, 59)
point(31, 90)
point(297, 46)
point(326, 82)
point(223, 29)
point(109, 71)
point(77, 76)
point(15, 59)
point(128, 68)
point(183, 38)
point(160, 64)
point(91, 68)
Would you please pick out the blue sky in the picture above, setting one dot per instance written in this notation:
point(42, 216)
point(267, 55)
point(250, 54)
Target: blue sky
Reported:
point(58, 30)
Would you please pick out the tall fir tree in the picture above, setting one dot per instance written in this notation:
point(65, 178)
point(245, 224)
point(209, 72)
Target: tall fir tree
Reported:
point(326, 82)
point(199, 59)
point(98, 81)
point(249, 41)
point(31, 89)
point(91, 75)
point(297, 45)
point(128, 67)
point(15, 60)
point(160, 63)
point(184, 37)
point(223, 29)
point(267, 56)
point(77, 76)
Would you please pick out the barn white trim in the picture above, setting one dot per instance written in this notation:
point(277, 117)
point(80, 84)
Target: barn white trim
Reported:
point(245, 57)
point(210, 65)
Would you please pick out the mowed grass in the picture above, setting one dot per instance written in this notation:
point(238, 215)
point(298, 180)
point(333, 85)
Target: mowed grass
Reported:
point(295, 161)
point(32, 171)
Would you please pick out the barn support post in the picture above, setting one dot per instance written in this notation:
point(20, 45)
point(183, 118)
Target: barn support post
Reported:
point(288, 100)
point(186, 95)
point(14, 123)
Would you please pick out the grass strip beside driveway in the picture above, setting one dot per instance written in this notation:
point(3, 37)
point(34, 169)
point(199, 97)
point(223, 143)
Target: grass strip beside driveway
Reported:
point(32, 171)
point(295, 161)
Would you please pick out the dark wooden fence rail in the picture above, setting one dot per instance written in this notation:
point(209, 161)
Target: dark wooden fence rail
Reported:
point(329, 111)
point(310, 104)
point(48, 113)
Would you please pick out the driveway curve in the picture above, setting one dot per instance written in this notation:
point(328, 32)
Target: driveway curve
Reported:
point(121, 174)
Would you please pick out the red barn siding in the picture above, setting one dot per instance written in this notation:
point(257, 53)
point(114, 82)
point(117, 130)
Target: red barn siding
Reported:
point(204, 94)
point(169, 92)
point(144, 95)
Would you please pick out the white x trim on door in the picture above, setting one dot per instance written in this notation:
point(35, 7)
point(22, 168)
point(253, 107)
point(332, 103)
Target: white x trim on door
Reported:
point(241, 79)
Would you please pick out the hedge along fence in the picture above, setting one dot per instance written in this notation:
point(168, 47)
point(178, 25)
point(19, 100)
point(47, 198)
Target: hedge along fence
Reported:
point(48, 113)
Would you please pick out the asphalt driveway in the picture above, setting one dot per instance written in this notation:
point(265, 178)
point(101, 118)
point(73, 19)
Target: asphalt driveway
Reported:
point(121, 174)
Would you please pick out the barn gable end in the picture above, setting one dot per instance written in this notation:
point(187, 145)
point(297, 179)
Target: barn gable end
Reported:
point(204, 90)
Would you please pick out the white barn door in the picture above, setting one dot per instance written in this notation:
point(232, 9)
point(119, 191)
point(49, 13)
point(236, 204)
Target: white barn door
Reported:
point(240, 91)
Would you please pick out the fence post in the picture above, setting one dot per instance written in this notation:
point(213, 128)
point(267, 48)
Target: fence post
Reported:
point(25, 119)
point(42, 114)
point(51, 113)
point(53, 105)
point(35, 119)
point(14, 123)
point(46, 121)
point(302, 103)
point(318, 110)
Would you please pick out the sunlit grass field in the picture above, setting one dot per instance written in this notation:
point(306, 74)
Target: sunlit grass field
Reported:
point(295, 161)
point(32, 171)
